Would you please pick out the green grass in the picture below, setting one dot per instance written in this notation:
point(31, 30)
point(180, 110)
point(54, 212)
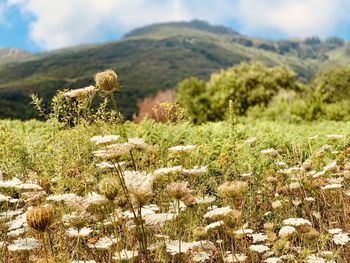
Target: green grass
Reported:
point(61, 160)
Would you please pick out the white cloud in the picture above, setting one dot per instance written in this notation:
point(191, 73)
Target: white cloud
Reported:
point(60, 23)
point(68, 22)
point(292, 17)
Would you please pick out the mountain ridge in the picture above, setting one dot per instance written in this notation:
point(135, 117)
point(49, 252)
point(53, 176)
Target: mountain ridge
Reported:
point(156, 57)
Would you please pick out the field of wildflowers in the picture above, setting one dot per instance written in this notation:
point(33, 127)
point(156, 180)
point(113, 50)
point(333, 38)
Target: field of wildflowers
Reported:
point(256, 191)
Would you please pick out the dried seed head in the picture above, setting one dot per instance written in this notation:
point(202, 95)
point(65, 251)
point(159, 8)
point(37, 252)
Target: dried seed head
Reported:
point(307, 165)
point(189, 200)
point(233, 189)
point(199, 232)
point(178, 190)
point(107, 81)
point(39, 218)
point(269, 226)
point(109, 187)
point(232, 218)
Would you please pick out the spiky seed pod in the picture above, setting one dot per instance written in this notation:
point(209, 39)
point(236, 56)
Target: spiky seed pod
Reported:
point(189, 200)
point(232, 219)
point(40, 218)
point(107, 81)
point(109, 187)
point(178, 190)
point(233, 189)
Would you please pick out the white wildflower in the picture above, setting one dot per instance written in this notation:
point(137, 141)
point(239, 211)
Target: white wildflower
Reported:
point(230, 258)
point(201, 256)
point(332, 166)
point(82, 232)
point(196, 171)
point(335, 136)
point(23, 244)
point(309, 199)
point(259, 248)
point(244, 231)
point(286, 231)
point(334, 231)
point(93, 198)
point(63, 197)
point(273, 260)
point(14, 182)
point(270, 152)
point(213, 225)
point(341, 239)
point(314, 259)
point(137, 143)
point(296, 222)
point(205, 200)
point(158, 219)
point(331, 186)
point(168, 170)
point(76, 93)
point(277, 204)
point(4, 198)
point(138, 183)
point(103, 243)
point(125, 255)
point(250, 140)
point(258, 237)
point(217, 212)
point(182, 148)
point(104, 139)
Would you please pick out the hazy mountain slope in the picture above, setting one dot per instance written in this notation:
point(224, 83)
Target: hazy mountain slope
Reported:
point(13, 55)
point(154, 58)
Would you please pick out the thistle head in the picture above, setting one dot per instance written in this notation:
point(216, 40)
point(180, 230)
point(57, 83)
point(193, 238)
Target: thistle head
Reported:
point(233, 189)
point(107, 81)
point(40, 218)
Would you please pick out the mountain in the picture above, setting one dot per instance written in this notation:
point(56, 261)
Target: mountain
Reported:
point(157, 57)
point(13, 55)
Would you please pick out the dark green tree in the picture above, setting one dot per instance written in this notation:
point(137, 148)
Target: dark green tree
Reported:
point(333, 84)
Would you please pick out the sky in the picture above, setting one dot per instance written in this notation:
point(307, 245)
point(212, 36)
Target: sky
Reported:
point(40, 25)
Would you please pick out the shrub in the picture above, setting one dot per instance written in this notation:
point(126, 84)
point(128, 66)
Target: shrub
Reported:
point(247, 85)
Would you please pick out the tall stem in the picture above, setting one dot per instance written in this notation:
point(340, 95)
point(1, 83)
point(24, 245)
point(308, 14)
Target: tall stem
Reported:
point(124, 134)
point(179, 224)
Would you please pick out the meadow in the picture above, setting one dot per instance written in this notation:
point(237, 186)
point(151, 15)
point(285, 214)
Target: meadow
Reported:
point(256, 191)
point(87, 186)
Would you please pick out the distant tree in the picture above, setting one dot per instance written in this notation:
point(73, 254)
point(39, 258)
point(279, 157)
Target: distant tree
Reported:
point(192, 95)
point(247, 85)
point(333, 84)
point(312, 41)
point(337, 41)
point(268, 47)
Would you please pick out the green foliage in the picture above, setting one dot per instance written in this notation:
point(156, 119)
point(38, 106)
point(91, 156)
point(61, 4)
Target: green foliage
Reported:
point(247, 85)
point(152, 59)
point(191, 94)
point(333, 84)
point(304, 107)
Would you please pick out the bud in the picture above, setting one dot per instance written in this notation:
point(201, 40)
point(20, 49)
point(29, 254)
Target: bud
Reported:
point(107, 80)
point(109, 187)
point(39, 218)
